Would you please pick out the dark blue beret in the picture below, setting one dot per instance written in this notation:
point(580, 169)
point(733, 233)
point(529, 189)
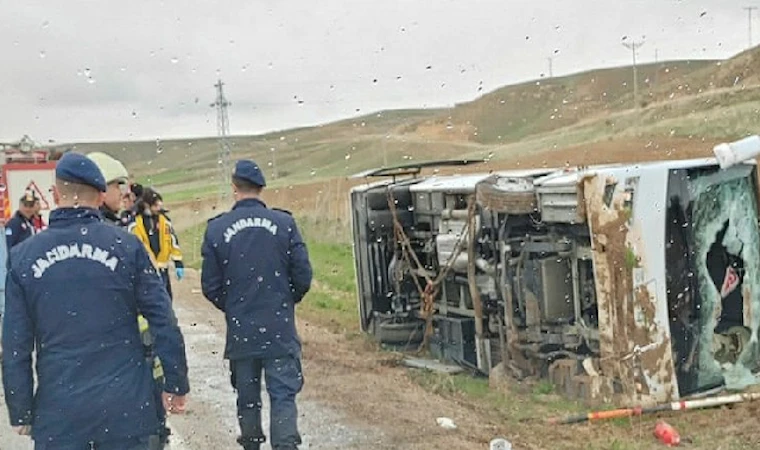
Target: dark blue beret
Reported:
point(77, 168)
point(247, 170)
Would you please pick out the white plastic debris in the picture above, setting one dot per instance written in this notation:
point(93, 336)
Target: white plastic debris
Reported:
point(446, 423)
point(500, 444)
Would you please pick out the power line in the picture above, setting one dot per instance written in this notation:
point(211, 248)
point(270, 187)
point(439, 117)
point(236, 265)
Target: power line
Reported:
point(223, 131)
point(633, 46)
point(749, 10)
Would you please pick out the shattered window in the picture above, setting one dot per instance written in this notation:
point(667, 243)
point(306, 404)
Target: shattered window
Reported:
point(721, 328)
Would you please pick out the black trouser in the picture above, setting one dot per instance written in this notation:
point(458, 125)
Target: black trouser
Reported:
point(284, 381)
point(158, 388)
point(167, 282)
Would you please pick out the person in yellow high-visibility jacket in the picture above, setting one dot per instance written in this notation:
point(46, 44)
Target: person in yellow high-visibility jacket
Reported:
point(155, 230)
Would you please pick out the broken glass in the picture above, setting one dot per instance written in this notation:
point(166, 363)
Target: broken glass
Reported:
point(727, 260)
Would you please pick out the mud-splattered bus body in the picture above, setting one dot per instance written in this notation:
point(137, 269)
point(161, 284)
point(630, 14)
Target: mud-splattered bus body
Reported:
point(624, 283)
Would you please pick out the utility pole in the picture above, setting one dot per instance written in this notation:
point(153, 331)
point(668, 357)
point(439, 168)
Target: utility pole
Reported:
point(749, 10)
point(551, 66)
point(274, 162)
point(656, 67)
point(223, 131)
point(633, 46)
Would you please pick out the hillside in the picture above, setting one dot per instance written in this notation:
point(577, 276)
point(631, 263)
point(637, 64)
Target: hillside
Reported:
point(701, 101)
point(516, 112)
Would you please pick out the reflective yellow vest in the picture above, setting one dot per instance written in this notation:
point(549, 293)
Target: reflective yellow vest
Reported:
point(168, 243)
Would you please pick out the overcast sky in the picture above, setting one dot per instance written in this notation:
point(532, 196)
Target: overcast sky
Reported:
point(107, 70)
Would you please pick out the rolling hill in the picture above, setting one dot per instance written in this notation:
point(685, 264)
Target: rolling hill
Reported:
point(699, 100)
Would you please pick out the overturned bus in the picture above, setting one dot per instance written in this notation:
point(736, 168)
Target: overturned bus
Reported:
point(620, 283)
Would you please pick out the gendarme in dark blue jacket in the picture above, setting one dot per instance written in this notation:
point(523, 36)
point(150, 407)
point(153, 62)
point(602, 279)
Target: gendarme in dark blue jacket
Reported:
point(17, 230)
point(255, 269)
point(73, 292)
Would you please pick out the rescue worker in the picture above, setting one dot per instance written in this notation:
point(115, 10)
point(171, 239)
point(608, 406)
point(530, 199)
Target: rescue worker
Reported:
point(130, 203)
point(117, 185)
point(256, 269)
point(117, 182)
point(20, 227)
point(156, 231)
point(137, 189)
point(73, 295)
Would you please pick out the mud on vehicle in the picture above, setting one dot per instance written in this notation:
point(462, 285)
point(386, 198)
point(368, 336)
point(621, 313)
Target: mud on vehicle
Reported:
point(626, 283)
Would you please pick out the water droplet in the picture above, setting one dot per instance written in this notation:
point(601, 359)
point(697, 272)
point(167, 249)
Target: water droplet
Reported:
point(262, 330)
point(83, 231)
point(175, 60)
point(348, 156)
point(91, 80)
point(42, 54)
point(313, 172)
point(45, 24)
point(260, 279)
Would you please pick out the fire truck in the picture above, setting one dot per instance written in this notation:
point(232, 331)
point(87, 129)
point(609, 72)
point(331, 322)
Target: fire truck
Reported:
point(25, 166)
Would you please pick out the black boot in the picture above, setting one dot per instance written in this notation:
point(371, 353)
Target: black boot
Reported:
point(164, 435)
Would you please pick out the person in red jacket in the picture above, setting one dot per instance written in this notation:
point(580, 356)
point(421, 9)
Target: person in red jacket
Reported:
point(38, 222)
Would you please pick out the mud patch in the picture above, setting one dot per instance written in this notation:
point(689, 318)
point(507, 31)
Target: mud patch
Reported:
point(634, 351)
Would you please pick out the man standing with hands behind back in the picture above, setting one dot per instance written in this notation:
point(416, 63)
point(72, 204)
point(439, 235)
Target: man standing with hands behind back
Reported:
point(255, 269)
point(72, 297)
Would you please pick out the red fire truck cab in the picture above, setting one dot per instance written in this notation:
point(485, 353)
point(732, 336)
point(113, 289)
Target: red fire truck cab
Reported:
point(26, 167)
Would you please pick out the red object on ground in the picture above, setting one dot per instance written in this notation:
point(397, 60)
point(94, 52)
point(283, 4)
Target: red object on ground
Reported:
point(667, 434)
